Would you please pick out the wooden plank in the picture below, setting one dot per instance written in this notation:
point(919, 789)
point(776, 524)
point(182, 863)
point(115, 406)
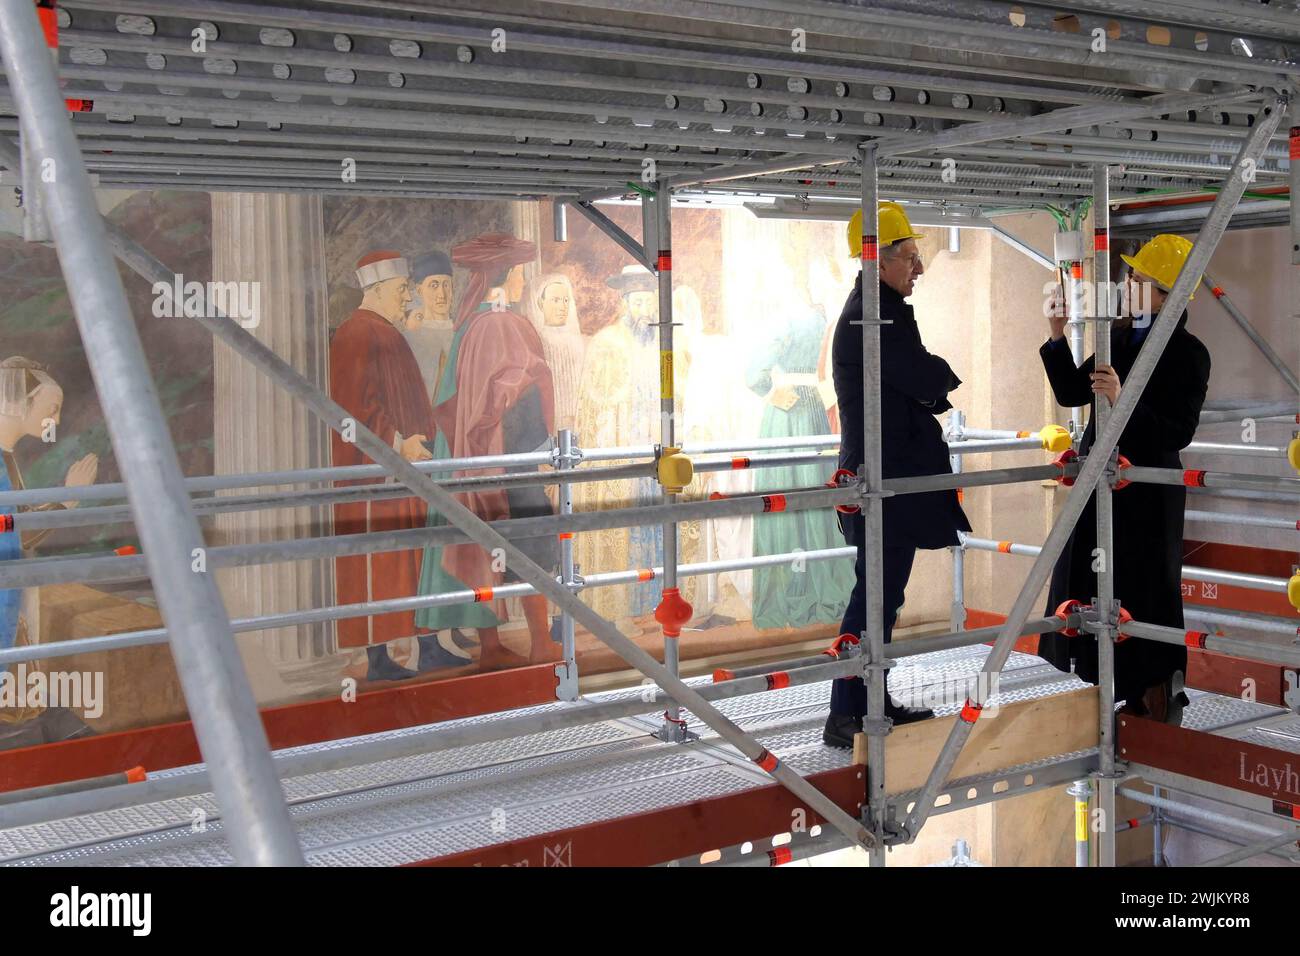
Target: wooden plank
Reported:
point(1015, 734)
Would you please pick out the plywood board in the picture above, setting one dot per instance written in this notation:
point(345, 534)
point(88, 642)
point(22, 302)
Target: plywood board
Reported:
point(1014, 734)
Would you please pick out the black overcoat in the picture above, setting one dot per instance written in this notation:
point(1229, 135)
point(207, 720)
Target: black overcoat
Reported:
point(1148, 519)
point(913, 390)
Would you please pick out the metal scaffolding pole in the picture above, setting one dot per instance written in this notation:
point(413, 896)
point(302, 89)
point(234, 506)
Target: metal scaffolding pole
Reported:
point(1250, 850)
point(1105, 604)
point(105, 642)
point(875, 667)
point(220, 701)
point(1266, 651)
point(1252, 333)
point(1107, 439)
point(1293, 140)
point(566, 671)
point(479, 532)
point(957, 607)
point(673, 727)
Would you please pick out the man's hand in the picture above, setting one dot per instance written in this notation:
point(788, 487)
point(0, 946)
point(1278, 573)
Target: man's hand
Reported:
point(1105, 381)
point(1056, 316)
point(413, 449)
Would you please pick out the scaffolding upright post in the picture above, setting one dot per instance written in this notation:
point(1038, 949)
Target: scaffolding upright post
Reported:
point(566, 672)
point(957, 610)
point(876, 725)
point(671, 608)
point(1293, 140)
point(220, 701)
point(1106, 607)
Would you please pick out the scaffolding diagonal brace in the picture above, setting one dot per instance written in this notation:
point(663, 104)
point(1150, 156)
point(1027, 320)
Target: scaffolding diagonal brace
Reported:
point(616, 232)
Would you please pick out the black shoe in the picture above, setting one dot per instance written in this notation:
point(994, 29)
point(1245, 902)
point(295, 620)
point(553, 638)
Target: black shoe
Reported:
point(902, 714)
point(840, 729)
point(434, 655)
point(1177, 698)
point(463, 640)
point(383, 667)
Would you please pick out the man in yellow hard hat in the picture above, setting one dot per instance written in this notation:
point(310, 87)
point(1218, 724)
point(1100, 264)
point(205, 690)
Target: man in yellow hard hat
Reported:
point(914, 389)
point(1148, 519)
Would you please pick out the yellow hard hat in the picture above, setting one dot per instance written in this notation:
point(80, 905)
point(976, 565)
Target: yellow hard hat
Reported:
point(1162, 259)
point(894, 227)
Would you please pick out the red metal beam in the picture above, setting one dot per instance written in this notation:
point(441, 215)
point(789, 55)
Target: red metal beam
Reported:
point(173, 745)
point(671, 833)
point(1229, 763)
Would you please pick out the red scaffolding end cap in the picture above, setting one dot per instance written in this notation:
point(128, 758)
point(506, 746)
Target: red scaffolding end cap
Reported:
point(672, 612)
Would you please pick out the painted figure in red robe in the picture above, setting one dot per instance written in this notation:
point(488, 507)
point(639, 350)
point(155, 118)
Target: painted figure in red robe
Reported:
point(376, 378)
point(503, 403)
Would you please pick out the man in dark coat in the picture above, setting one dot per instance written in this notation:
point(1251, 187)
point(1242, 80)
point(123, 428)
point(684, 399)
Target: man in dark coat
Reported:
point(1148, 519)
point(914, 389)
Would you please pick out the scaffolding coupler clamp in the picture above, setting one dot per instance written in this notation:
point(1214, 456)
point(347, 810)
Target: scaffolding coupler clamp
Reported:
point(674, 730)
point(1054, 437)
point(1293, 589)
point(1064, 612)
point(1063, 462)
point(842, 477)
point(844, 646)
point(1293, 451)
point(674, 470)
point(574, 456)
point(1124, 618)
point(1116, 469)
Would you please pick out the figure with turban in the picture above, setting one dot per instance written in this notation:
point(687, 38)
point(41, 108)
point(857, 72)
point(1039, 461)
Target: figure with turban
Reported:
point(495, 397)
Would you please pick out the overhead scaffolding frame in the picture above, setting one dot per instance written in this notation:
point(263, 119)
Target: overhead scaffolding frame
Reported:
point(811, 158)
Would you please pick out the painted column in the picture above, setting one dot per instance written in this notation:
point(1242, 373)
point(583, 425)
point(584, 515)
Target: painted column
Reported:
point(276, 243)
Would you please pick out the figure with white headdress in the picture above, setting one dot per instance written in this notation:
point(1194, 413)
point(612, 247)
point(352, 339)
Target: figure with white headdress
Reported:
point(554, 311)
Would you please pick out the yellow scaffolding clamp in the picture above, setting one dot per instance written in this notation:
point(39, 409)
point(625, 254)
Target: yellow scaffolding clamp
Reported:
point(1054, 438)
point(1293, 451)
point(675, 470)
point(1293, 590)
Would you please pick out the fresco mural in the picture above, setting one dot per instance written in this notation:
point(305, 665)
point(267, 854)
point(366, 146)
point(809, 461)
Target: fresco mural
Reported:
point(52, 434)
point(458, 329)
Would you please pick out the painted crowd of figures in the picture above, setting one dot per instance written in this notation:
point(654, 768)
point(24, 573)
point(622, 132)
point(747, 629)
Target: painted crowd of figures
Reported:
point(499, 372)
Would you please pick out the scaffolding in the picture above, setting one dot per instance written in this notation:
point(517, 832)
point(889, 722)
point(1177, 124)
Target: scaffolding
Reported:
point(667, 102)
